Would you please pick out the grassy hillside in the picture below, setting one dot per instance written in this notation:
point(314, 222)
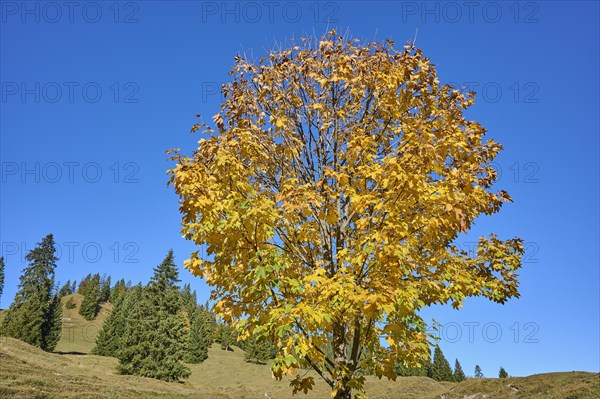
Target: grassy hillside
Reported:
point(78, 334)
point(27, 372)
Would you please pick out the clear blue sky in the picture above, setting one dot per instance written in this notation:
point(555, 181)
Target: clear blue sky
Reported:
point(93, 93)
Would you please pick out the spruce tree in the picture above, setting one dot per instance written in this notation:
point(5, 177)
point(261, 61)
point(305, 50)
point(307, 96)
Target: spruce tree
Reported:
point(83, 283)
point(199, 338)
point(34, 316)
point(459, 374)
point(104, 289)
point(91, 296)
point(478, 373)
point(1, 277)
point(440, 368)
point(70, 303)
point(211, 322)
point(258, 350)
point(73, 287)
point(225, 336)
point(189, 299)
point(117, 292)
point(502, 373)
point(407, 371)
point(65, 289)
point(52, 326)
point(108, 341)
point(155, 338)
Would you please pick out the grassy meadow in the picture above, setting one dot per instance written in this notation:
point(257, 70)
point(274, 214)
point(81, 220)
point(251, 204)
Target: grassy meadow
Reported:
point(29, 373)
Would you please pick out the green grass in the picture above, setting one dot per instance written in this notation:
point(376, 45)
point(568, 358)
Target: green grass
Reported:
point(78, 334)
point(27, 372)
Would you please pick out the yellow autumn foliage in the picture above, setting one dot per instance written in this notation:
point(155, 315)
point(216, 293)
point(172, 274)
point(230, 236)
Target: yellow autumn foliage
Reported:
point(329, 198)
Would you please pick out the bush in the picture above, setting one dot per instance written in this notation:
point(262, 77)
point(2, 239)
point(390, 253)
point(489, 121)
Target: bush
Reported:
point(71, 304)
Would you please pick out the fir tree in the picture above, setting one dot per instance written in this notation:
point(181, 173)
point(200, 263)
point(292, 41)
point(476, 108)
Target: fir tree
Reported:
point(478, 373)
point(155, 339)
point(108, 341)
point(104, 289)
point(117, 292)
point(83, 283)
point(34, 316)
point(52, 326)
point(459, 374)
point(1, 276)
point(70, 303)
point(258, 350)
point(407, 371)
point(200, 337)
point(225, 336)
point(91, 296)
point(502, 373)
point(73, 287)
point(211, 322)
point(440, 368)
point(189, 299)
point(65, 289)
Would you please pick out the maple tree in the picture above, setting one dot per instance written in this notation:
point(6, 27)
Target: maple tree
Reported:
point(329, 198)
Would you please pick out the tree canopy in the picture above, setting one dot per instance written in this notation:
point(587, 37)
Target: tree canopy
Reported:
point(329, 198)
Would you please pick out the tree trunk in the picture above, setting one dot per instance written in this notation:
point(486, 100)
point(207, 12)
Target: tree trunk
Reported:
point(344, 393)
point(341, 360)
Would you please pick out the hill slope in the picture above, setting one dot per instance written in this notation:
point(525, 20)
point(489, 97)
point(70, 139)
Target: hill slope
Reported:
point(29, 373)
point(78, 334)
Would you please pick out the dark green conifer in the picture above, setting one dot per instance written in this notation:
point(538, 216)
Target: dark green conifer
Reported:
point(34, 316)
point(155, 338)
point(440, 368)
point(65, 289)
point(225, 336)
point(458, 374)
point(189, 299)
point(258, 350)
point(408, 371)
point(117, 292)
point(70, 303)
point(104, 289)
point(91, 297)
point(108, 341)
point(199, 338)
point(82, 284)
point(211, 322)
point(502, 373)
point(52, 326)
